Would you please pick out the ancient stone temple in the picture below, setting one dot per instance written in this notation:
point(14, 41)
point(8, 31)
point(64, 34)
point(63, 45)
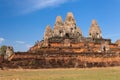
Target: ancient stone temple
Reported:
point(64, 46)
point(64, 29)
point(67, 35)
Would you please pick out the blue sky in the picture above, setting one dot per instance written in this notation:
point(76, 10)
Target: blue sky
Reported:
point(23, 22)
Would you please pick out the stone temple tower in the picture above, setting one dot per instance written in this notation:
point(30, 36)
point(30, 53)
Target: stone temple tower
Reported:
point(95, 31)
point(48, 33)
point(58, 27)
point(70, 23)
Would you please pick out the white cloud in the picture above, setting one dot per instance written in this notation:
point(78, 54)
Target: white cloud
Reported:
point(2, 40)
point(20, 42)
point(22, 45)
point(40, 4)
point(28, 46)
point(27, 6)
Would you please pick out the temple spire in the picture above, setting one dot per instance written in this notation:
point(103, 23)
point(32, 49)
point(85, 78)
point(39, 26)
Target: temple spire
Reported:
point(70, 23)
point(94, 22)
point(48, 32)
point(70, 18)
point(59, 21)
point(95, 31)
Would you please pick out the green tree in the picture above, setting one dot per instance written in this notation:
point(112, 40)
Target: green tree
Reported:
point(3, 50)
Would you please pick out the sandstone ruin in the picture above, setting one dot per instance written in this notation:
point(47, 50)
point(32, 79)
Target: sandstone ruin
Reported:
point(68, 34)
point(65, 46)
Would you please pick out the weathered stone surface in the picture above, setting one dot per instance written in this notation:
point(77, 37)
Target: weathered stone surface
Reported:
point(79, 32)
point(95, 31)
point(45, 43)
point(70, 19)
point(66, 43)
point(70, 23)
point(67, 49)
point(68, 29)
point(48, 33)
point(58, 27)
point(66, 59)
point(118, 43)
point(9, 53)
point(67, 34)
point(59, 21)
point(105, 46)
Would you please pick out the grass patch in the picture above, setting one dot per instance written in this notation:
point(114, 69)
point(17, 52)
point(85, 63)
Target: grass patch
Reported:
point(111, 73)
